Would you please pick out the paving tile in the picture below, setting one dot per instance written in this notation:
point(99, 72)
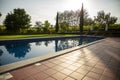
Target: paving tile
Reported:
point(50, 71)
point(59, 76)
point(66, 71)
point(58, 68)
point(71, 67)
point(49, 64)
point(100, 67)
point(30, 70)
point(82, 71)
point(63, 60)
point(109, 74)
point(50, 78)
point(77, 64)
point(68, 62)
point(69, 78)
point(29, 78)
point(86, 67)
point(64, 65)
point(81, 62)
point(76, 75)
point(90, 64)
point(9, 79)
point(88, 78)
point(17, 74)
point(107, 78)
point(93, 75)
point(40, 76)
point(57, 62)
point(97, 70)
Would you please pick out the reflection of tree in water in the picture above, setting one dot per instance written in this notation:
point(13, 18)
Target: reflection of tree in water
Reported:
point(47, 42)
point(18, 50)
point(1, 52)
point(86, 40)
point(38, 43)
point(66, 43)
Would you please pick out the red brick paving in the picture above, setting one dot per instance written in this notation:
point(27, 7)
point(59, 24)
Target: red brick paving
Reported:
point(99, 61)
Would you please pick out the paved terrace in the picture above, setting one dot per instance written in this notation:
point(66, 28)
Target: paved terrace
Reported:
point(100, 61)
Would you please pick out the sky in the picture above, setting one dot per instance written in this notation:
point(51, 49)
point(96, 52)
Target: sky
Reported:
point(41, 10)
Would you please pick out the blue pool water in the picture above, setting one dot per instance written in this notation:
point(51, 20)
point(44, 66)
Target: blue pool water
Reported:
point(17, 50)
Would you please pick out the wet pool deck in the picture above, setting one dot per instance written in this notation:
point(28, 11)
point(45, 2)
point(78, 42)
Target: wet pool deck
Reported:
point(100, 61)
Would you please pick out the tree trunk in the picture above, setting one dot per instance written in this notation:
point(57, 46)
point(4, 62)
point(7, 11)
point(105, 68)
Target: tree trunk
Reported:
point(106, 27)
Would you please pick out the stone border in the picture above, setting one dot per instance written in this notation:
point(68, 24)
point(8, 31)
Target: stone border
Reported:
point(16, 65)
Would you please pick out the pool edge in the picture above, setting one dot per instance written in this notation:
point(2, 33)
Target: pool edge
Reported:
point(16, 65)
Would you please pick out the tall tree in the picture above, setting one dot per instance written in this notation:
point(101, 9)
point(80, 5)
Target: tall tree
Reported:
point(0, 14)
point(17, 20)
point(81, 19)
point(105, 19)
point(57, 24)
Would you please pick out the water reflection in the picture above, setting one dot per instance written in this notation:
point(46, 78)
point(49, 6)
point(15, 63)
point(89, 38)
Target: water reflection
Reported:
point(31, 49)
point(1, 52)
point(66, 43)
point(18, 50)
point(38, 43)
point(46, 43)
point(21, 49)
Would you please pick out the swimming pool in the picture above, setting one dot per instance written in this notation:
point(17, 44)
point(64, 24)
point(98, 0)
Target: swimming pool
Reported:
point(17, 50)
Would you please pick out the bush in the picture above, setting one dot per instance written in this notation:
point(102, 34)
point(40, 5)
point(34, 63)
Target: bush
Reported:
point(115, 27)
point(86, 28)
point(2, 29)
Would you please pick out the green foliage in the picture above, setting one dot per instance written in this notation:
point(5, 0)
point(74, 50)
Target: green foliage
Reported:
point(17, 20)
point(86, 28)
point(39, 26)
point(31, 30)
point(2, 29)
point(46, 26)
point(114, 27)
point(88, 21)
point(98, 27)
point(64, 27)
point(103, 18)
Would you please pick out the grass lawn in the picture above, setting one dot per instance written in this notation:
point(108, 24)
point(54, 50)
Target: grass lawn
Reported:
point(31, 36)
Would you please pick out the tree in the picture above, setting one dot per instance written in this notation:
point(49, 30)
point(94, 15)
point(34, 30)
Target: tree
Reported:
point(39, 26)
point(17, 20)
point(72, 18)
point(46, 26)
point(0, 14)
point(57, 24)
point(81, 20)
point(64, 26)
point(105, 19)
